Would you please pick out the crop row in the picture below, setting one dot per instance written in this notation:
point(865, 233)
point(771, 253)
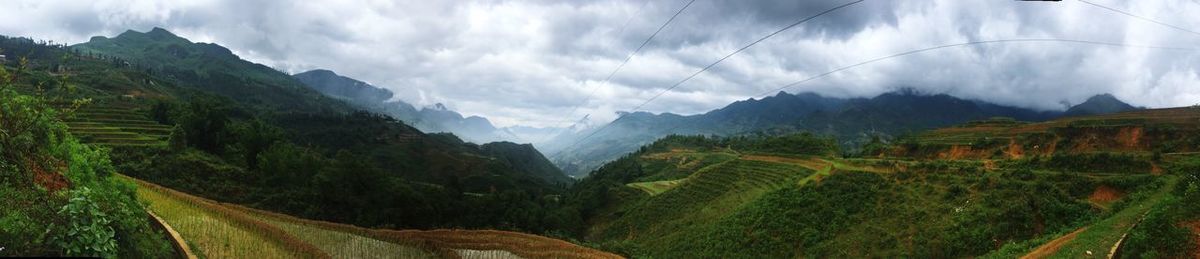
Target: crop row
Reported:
point(325, 239)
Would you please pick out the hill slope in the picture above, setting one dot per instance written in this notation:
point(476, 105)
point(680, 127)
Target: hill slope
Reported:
point(733, 196)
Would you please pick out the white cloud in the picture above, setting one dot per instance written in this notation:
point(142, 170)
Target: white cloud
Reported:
point(530, 62)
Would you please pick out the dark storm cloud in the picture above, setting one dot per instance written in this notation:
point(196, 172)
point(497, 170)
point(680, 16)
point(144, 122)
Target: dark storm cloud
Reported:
point(529, 62)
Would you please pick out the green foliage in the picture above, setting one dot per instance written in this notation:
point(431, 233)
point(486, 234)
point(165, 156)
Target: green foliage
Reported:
point(205, 121)
point(1158, 235)
point(87, 232)
point(58, 196)
point(1104, 162)
point(177, 141)
point(254, 137)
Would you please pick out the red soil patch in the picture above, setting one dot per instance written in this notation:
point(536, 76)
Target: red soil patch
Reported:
point(1155, 170)
point(962, 152)
point(1195, 227)
point(1105, 194)
point(989, 165)
point(1015, 151)
point(50, 180)
point(1130, 137)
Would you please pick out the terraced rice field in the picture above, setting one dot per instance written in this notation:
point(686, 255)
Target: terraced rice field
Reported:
point(117, 125)
point(704, 196)
point(212, 234)
point(656, 187)
point(221, 230)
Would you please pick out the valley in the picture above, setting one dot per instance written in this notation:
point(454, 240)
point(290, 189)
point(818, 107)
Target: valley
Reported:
point(498, 129)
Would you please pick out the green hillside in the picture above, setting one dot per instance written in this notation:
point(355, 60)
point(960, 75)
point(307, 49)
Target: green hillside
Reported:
point(745, 197)
point(192, 117)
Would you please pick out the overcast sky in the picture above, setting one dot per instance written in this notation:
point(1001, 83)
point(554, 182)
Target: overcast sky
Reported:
point(530, 62)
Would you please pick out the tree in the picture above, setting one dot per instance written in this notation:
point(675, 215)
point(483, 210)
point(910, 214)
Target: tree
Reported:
point(177, 141)
point(205, 121)
point(255, 137)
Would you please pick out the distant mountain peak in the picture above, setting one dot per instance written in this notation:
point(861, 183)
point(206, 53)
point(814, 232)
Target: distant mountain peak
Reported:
point(1100, 104)
point(439, 107)
point(160, 32)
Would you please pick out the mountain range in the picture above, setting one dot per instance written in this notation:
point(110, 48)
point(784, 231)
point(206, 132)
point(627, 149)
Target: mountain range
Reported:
point(852, 120)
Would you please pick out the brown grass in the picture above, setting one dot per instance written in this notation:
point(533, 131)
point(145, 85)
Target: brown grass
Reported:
point(445, 241)
point(239, 219)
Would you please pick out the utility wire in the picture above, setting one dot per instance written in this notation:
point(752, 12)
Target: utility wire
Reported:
point(967, 44)
point(677, 84)
point(627, 58)
point(897, 55)
point(1139, 17)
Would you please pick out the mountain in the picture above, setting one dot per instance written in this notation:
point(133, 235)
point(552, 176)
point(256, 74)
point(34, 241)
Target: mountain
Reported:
point(212, 68)
point(437, 118)
point(1099, 104)
point(344, 88)
point(261, 137)
point(850, 120)
point(527, 159)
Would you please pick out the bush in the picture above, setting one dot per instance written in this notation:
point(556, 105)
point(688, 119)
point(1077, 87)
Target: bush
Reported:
point(87, 231)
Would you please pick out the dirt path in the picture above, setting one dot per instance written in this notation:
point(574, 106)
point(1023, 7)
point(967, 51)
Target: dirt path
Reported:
point(1053, 246)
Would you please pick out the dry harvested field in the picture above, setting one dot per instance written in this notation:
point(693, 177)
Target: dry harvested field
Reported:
point(222, 230)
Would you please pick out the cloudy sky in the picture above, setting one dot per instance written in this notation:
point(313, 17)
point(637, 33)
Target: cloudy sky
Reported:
point(531, 62)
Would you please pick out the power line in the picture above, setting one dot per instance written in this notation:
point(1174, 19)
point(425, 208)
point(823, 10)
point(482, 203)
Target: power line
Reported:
point(1139, 17)
point(677, 84)
point(966, 44)
point(693, 75)
point(627, 58)
point(897, 55)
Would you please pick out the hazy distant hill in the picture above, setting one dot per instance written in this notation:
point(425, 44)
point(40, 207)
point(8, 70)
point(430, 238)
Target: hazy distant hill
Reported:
point(850, 120)
point(1099, 104)
point(341, 87)
point(437, 118)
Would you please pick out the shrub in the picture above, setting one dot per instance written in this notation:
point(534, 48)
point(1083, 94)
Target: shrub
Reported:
point(87, 231)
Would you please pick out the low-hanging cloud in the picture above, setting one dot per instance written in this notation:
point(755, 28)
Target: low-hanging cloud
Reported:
point(530, 62)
